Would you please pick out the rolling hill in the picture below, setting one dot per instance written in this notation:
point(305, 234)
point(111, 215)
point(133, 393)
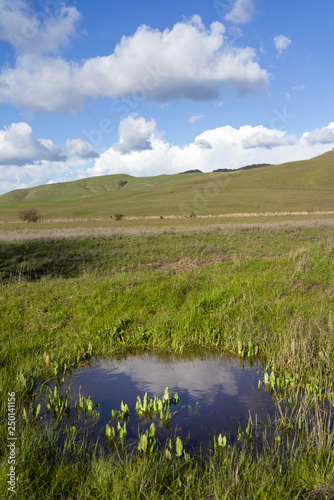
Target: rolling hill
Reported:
point(295, 186)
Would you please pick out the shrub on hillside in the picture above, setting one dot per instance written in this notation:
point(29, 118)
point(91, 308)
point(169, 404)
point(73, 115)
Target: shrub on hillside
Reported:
point(119, 216)
point(29, 215)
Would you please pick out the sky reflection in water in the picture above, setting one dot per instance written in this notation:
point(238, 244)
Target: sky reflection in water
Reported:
point(226, 393)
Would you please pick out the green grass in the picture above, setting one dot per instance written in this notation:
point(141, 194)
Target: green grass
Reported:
point(254, 291)
point(297, 186)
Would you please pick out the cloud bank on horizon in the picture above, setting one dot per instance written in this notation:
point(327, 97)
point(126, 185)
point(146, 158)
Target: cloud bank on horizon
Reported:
point(142, 150)
point(184, 73)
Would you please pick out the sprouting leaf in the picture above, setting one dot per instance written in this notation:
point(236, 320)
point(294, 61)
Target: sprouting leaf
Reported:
point(38, 409)
point(145, 402)
point(166, 394)
point(179, 447)
point(272, 380)
point(143, 441)
point(152, 430)
point(108, 431)
point(24, 416)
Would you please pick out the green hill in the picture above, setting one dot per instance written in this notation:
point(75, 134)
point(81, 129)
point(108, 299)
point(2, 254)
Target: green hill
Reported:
point(295, 186)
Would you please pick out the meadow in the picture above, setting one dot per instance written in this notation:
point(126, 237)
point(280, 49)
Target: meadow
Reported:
point(257, 291)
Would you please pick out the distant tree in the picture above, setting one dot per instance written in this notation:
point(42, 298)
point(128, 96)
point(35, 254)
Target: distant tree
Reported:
point(223, 170)
point(195, 171)
point(29, 215)
point(255, 165)
point(119, 216)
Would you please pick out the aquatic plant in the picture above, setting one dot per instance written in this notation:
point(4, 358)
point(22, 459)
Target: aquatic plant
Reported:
point(150, 407)
point(179, 447)
point(57, 403)
point(87, 406)
point(147, 443)
point(219, 443)
point(121, 431)
point(110, 432)
point(124, 413)
point(34, 414)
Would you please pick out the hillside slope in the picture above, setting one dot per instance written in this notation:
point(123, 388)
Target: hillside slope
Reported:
point(301, 185)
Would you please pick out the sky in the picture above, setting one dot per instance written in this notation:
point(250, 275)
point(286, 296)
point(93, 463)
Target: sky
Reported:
point(149, 88)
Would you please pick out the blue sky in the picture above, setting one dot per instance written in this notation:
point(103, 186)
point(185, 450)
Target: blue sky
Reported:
point(144, 88)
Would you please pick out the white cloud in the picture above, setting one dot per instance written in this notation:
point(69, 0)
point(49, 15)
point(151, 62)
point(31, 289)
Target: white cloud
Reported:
point(80, 148)
point(281, 43)
point(143, 151)
point(45, 172)
point(42, 84)
point(37, 32)
point(202, 143)
point(324, 135)
point(223, 147)
point(246, 137)
point(136, 134)
point(261, 137)
point(241, 13)
point(195, 117)
point(19, 146)
point(186, 62)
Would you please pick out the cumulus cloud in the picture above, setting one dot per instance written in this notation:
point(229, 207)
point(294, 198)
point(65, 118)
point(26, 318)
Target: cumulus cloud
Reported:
point(37, 32)
point(142, 150)
point(202, 143)
point(261, 137)
point(281, 43)
point(246, 137)
point(45, 172)
point(241, 13)
point(223, 147)
point(19, 146)
point(81, 148)
point(324, 135)
point(186, 62)
point(135, 134)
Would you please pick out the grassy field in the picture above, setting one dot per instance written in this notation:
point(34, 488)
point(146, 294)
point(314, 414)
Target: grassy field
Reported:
point(258, 291)
point(292, 187)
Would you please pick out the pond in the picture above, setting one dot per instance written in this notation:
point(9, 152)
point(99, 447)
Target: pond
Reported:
point(216, 394)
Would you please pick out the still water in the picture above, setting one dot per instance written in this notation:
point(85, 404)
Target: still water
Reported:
point(216, 395)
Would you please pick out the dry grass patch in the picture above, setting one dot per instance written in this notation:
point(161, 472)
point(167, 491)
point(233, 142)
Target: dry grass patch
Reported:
point(111, 232)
